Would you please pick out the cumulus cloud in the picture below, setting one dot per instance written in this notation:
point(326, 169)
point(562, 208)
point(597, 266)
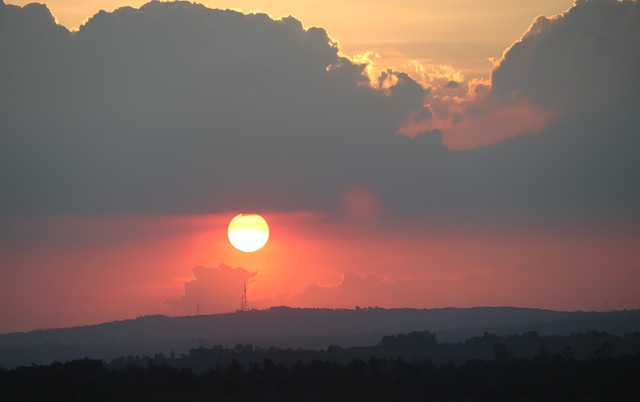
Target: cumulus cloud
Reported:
point(355, 289)
point(476, 118)
point(177, 108)
point(174, 106)
point(575, 62)
point(584, 58)
point(214, 290)
point(521, 284)
point(371, 290)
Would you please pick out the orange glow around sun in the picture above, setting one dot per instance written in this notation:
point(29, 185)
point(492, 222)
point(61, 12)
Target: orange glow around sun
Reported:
point(248, 232)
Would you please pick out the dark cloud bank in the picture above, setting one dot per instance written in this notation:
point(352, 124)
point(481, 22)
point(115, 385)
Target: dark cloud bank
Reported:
point(176, 108)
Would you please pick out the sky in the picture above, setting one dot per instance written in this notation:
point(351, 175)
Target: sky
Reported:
point(461, 34)
point(446, 154)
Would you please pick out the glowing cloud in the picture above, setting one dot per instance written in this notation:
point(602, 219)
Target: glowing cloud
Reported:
point(575, 62)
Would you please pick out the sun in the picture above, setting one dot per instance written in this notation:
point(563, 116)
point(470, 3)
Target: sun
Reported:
point(248, 232)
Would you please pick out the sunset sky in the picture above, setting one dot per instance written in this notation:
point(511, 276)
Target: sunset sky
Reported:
point(442, 154)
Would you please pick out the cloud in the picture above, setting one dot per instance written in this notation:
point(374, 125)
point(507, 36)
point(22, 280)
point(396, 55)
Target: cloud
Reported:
point(177, 108)
point(548, 277)
point(214, 290)
point(584, 58)
point(354, 289)
point(477, 119)
point(366, 290)
point(574, 63)
point(473, 287)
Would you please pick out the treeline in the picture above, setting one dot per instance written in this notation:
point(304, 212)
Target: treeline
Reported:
point(540, 378)
point(412, 367)
point(409, 347)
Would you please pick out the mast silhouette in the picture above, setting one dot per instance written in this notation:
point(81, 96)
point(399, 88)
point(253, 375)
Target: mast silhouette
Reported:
point(243, 305)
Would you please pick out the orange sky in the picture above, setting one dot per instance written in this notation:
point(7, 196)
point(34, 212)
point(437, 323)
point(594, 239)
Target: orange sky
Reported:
point(459, 33)
point(102, 269)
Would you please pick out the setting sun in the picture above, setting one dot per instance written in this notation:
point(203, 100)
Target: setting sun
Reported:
point(248, 232)
point(293, 160)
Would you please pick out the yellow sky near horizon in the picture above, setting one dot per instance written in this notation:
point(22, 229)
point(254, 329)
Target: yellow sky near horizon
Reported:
point(463, 34)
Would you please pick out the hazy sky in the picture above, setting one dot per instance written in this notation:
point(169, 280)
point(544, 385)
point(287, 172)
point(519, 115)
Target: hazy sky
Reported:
point(424, 178)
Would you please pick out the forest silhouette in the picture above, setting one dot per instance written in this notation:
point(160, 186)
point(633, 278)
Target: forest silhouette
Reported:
point(415, 367)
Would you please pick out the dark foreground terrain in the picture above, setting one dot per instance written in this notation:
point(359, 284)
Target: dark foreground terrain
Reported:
point(594, 366)
point(537, 379)
point(296, 328)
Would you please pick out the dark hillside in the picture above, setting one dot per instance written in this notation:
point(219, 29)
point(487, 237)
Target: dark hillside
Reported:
point(295, 328)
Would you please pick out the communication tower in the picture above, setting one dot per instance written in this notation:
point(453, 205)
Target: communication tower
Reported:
point(243, 305)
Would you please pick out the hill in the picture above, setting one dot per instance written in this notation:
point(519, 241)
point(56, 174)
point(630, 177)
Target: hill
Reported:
point(295, 328)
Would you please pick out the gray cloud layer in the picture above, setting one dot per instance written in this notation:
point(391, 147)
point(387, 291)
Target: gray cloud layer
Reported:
point(176, 108)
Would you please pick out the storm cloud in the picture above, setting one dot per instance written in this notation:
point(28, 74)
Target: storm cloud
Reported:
point(177, 108)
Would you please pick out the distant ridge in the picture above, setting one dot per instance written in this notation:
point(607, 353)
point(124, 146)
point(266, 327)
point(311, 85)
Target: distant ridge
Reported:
point(295, 327)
